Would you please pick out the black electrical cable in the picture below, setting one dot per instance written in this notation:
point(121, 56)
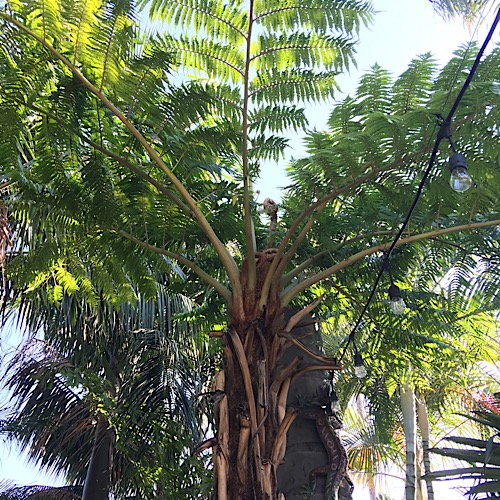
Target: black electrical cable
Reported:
point(443, 133)
point(474, 67)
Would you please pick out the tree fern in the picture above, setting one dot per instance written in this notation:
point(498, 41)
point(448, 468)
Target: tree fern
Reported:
point(373, 90)
point(411, 89)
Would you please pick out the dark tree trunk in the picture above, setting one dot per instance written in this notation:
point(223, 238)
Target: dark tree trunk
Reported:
point(97, 481)
point(305, 451)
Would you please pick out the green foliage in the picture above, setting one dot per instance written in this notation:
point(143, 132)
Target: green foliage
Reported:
point(385, 133)
point(482, 455)
point(467, 9)
point(140, 367)
point(9, 491)
point(96, 224)
point(67, 156)
point(291, 57)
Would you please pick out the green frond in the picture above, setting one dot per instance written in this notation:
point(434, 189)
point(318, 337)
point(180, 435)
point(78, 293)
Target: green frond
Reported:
point(112, 33)
point(142, 82)
point(305, 50)
point(9, 491)
point(213, 18)
point(277, 118)
point(134, 363)
point(212, 59)
point(268, 147)
point(10, 143)
point(373, 91)
point(345, 117)
point(389, 131)
point(322, 15)
point(79, 17)
point(468, 9)
point(412, 88)
point(291, 85)
point(44, 17)
point(454, 73)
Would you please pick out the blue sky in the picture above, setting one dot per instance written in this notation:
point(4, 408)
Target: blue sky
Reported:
point(402, 30)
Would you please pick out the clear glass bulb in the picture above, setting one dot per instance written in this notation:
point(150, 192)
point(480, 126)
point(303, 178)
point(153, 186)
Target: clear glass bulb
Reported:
point(397, 303)
point(336, 405)
point(460, 180)
point(360, 371)
point(398, 306)
point(334, 401)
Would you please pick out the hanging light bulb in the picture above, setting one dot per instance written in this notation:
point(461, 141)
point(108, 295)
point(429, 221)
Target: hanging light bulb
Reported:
point(460, 180)
point(334, 401)
point(398, 306)
point(359, 367)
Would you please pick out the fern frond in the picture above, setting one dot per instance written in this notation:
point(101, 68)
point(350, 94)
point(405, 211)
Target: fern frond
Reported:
point(268, 147)
point(216, 60)
point(345, 117)
point(322, 15)
point(412, 88)
point(453, 75)
point(43, 17)
point(293, 85)
point(277, 118)
point(212, 18)
point(142, 82)
point(112, 34)
point(79, 18)
point(305, 50)
point(374, 90)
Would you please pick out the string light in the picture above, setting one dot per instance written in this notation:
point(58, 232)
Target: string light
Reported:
point(444, 132)
point(333, 406)
point(460, 180)
point(398, 306)
point(334, 402)
point(359, 367)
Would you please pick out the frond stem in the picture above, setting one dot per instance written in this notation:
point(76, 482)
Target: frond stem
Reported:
point(292, 291)
point(296, 271)
point(337, 192)
point(225, 293)
point(249, 227)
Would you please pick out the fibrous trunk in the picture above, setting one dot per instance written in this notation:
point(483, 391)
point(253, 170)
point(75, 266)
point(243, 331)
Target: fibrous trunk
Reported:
point(263, 353)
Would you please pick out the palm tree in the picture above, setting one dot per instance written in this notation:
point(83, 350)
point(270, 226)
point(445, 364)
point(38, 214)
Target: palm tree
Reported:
point(104, 396)
point(12, 492)
point(116, 172)
point(483, 455)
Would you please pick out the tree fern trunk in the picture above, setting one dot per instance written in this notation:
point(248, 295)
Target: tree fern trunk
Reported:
point(97, 480)
point(304, 451)
point(410, 424)
point(259, 404)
